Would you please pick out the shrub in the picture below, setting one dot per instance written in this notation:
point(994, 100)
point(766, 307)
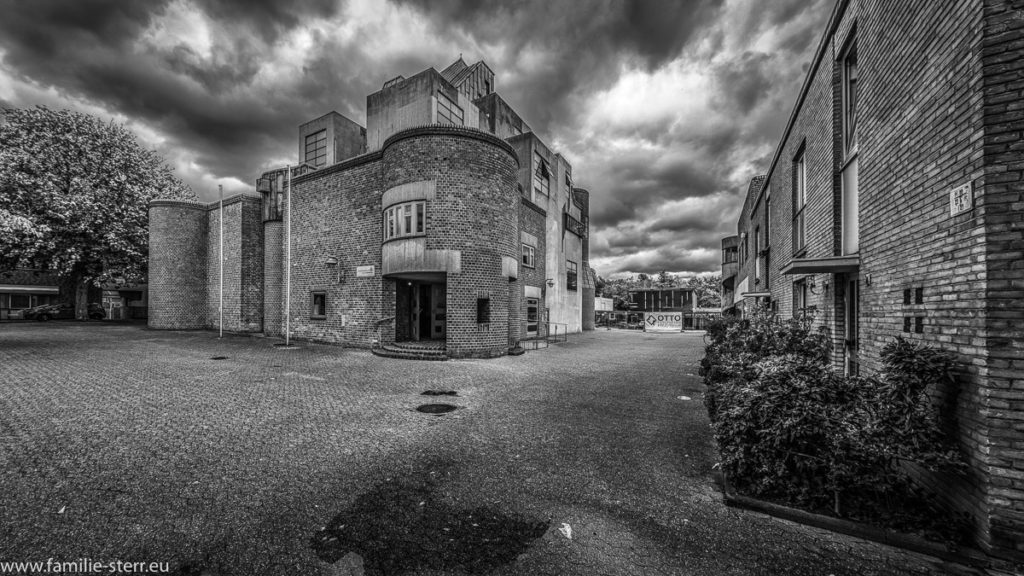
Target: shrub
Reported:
point(789, 427)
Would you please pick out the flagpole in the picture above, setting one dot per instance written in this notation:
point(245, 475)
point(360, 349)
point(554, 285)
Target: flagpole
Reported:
point(288, 261)
point(220, 188)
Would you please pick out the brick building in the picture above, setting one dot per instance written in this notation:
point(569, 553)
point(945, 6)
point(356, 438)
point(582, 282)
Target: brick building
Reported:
point(894, 206)
point(444, 227)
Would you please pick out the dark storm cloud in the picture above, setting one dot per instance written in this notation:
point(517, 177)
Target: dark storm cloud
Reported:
point(220, 105)
point(582, 45)
point(86, 49)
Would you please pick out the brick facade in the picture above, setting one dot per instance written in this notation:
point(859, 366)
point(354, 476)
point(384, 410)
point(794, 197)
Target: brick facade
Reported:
point(940, 87)
point(459, 278)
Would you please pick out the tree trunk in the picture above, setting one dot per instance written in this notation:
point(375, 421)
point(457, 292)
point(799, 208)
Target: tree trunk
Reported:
point(81, 299)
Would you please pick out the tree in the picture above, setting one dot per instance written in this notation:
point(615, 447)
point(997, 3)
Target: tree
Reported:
point(75, 191)
point(706, 291)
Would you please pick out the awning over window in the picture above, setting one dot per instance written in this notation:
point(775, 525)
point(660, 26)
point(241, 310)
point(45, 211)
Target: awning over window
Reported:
point(18, 289)
point(826, 265)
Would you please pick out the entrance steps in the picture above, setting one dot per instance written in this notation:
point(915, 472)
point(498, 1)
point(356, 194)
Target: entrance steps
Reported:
point(422, 350)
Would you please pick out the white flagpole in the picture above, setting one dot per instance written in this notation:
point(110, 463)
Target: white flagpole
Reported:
point(221, 190)
point(288, 261)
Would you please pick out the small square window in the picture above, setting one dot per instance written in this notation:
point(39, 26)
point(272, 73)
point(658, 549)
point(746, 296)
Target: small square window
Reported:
point(529, 256)
point(483, 310)
point(319, 305)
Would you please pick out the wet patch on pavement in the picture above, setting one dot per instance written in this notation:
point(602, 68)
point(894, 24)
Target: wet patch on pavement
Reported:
point(436, 408)
point(439, 393)
point(400, 527)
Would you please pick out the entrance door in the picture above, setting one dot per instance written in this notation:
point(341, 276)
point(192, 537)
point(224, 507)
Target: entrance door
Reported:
point(438, 311)
point(851, 316)
point(423, 312)
point(532, 316)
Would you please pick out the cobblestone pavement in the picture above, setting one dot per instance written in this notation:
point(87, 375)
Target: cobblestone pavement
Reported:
point(118, 442)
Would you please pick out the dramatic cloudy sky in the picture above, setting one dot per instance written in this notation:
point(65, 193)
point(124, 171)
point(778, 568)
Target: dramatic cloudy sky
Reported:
point(665, 109)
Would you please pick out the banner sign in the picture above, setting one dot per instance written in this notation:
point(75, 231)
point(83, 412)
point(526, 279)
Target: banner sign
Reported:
point(663, 321)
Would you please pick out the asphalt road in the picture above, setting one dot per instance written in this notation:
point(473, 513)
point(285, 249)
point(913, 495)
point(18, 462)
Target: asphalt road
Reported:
point(122, 443)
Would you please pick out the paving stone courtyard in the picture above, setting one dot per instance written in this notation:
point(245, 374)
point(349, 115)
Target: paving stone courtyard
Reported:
point(120, 442)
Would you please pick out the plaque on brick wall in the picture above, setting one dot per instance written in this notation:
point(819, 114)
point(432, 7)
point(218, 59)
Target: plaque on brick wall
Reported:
point(364, 271)
point(961, 199)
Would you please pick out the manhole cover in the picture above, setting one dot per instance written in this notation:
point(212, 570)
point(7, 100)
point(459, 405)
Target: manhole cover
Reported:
point(439, 393)
point(218, 357)
point(435, 408)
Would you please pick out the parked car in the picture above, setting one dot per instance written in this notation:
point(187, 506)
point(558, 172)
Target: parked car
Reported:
point(65, 310)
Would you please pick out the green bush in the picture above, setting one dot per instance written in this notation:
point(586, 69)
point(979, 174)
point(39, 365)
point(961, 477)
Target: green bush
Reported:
point(788, 426)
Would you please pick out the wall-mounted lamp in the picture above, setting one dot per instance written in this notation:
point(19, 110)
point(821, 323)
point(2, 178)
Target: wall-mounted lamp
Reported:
point(332, 263)
point(812, 287)
point(550, 282)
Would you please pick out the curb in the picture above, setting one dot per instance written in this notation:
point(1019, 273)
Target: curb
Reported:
point(965, 556)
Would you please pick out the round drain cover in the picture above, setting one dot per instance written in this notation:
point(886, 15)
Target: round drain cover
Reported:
point(435, 408)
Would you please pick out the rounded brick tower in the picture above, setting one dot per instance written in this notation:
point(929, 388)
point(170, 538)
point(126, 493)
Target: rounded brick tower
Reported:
point(451, 239)
point(177, 264)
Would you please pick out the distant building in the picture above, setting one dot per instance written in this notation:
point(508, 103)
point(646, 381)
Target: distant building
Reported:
point(26, 288)
point(893, 207)
point(678, 300)
point(445, 224)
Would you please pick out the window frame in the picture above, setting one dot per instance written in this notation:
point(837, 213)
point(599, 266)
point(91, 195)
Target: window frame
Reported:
point(529, 258)
point(313, 294)
point(850, 92)
point(541, 176)
point(799, 200)
point(319, 148)
point(571, 276)
point(800, 292)
point(404, 220)
point(446, 111)
point(483, 310)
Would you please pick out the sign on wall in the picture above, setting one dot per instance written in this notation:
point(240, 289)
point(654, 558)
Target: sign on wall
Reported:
point(961, 199)
point(364, 271)
point(663, 321)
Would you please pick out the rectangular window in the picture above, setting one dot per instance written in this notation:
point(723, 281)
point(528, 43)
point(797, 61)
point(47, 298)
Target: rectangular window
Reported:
point(799, 298)
point(919, 324)
point(757, 253)
point(407, 219)
point(799, 201)
point(316, 148)
point(529, 256)
point(850, 100)
point(319, 305)
point(728, 255)
point(570, 275)
point(532, 316)
point(918, 295)
point(906, 296)
point(448, 112)
point(541, 175)
point(483, 310)
point(906, 323)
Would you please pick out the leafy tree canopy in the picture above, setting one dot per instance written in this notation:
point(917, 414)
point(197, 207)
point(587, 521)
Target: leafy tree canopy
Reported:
point(74, 192)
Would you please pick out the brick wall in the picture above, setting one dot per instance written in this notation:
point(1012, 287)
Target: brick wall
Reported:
point(1000, 206)
point(337, 214)
point(940, 90)
point(177, 265)
point(475, 212)
point(273, 278)
point(243, 265)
